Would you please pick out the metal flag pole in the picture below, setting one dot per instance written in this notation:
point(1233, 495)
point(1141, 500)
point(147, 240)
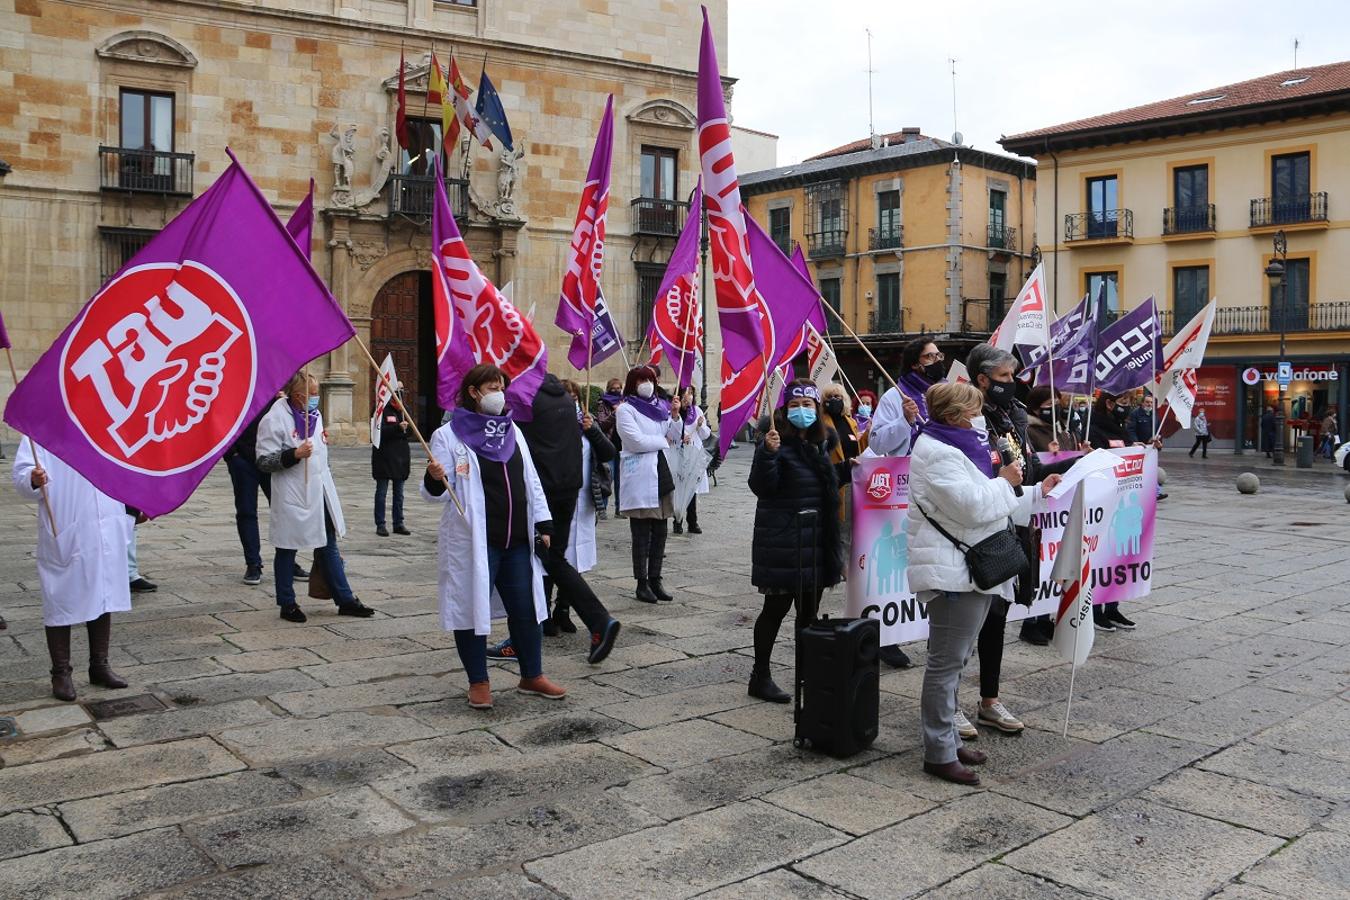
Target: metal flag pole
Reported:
point(1073, 672)
point(46, 501)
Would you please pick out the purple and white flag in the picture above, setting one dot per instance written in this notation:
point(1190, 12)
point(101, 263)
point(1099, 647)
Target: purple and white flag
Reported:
point(676, 326)
point(580, 296)
point(1063, 328)
point(604, 340)
point(180, 350)
point(1127, 349)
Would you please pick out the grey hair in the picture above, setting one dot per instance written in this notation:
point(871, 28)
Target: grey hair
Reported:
point(983, 359)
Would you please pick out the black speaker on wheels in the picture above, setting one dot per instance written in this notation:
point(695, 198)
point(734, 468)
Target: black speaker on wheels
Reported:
point(837, 691)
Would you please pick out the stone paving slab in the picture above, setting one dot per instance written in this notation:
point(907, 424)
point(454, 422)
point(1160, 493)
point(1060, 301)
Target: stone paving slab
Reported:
point(1276, 811)
point(189, 721)
point(997, 880)
point(22, 833)
point(124, 867)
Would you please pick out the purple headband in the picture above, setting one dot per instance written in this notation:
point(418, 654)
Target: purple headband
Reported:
point(797, 391)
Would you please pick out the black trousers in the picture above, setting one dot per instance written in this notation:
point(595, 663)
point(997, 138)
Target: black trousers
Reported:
point(649, 547)
point(573, 591)
point(1201, 444)
point(771, 617)
point(990, 647)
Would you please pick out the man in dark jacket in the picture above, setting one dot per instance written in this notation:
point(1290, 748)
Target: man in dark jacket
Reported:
point(554, 438)
point(246, 478)
point(1141, 424)
point(391, 462)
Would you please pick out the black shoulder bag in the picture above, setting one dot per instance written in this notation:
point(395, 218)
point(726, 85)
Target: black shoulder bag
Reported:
point(993, 560)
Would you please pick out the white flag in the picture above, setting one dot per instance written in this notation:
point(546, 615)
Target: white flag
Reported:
point(820, 358)
point(772, 391)
point(958, 374)
point(1028, 322)
point(1073, 570)
point(1184, 353)
point(384, 391)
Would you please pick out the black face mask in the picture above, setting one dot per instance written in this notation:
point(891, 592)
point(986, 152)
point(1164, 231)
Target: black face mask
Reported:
point(1045, 413)
point(934, 372)
point(1001, 394)
point(834, 407)
point(1121, 413)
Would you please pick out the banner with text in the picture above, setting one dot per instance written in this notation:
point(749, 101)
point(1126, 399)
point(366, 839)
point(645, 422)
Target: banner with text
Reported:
point(1125, 507)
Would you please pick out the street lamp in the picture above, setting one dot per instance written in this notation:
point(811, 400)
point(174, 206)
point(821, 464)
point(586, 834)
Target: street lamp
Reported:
point(1276, 273)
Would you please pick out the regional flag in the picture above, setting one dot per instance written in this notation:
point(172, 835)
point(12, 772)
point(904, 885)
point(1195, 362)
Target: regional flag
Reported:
point(474, 322)
point(181, 349)
point(401, 114)
point(463, 100)
point(438, 94)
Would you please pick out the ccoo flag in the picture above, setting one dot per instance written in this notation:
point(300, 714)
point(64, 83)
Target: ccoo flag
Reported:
point(677, 325)
point(580, 296)
point(1127, 349)
point(1073, 570)
point(181, 349)
point(738, 299)
point(474, 322)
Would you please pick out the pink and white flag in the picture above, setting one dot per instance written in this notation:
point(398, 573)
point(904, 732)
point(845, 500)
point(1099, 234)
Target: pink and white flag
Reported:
point(1176, 382)
point(1028, 321)
point(384, 392)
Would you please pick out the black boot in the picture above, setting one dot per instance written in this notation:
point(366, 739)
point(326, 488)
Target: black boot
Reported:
point(894, 657)
point(100, 633)
point(763, 688)
point(562, 621)
point(58, 648)
point(691, 516)
point(656, 561)
point(644, 592)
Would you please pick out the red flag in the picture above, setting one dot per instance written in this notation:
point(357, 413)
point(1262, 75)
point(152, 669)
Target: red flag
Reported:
point(401, 119)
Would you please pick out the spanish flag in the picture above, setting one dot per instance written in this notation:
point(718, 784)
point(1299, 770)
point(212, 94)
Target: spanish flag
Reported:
point(438, 94)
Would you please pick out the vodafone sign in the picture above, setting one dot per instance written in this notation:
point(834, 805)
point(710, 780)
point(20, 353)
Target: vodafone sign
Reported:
point(1252, 375)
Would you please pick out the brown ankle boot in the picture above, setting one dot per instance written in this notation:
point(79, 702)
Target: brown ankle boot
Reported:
point(100, 632)
point(58, 648)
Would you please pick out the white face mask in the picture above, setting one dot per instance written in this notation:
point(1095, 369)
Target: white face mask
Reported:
point(646, 389)
point(492, 403)
point(979, 424)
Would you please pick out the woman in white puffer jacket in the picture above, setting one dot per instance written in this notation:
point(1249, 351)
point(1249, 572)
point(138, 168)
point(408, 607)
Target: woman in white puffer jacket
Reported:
point(956, 481)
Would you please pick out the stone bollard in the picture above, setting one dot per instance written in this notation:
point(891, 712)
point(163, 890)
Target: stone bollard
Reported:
point(1248, 483)
point(1162, 476)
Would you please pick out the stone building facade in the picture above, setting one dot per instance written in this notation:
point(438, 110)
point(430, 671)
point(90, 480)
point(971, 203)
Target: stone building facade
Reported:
point(115, 113)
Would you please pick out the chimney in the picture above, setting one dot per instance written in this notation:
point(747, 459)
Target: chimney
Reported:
point(911, 133)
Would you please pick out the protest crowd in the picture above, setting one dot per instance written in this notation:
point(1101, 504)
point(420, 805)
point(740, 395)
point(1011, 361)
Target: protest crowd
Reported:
point(993, 449)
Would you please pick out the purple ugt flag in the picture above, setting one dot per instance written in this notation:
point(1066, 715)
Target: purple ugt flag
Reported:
point(675, 315)
point(180, 350)
point(1127, 350)
point(301, 223)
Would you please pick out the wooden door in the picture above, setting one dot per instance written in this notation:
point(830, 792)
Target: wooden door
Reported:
point(394, 319)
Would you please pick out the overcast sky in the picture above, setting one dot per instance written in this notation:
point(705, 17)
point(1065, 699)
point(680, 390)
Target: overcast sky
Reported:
point(801, 64)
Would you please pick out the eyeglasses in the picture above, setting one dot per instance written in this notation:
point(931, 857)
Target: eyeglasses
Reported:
point(933, 357)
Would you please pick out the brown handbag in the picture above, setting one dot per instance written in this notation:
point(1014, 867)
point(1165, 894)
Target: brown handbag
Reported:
point(319, 588)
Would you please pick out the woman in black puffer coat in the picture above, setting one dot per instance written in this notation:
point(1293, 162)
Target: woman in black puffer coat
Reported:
point(391, 462)
point(793, 557)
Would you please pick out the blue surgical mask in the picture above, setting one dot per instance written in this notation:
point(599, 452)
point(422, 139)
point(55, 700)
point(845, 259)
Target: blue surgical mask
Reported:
point(314, 403)
point(802, 417)
point(864, 409)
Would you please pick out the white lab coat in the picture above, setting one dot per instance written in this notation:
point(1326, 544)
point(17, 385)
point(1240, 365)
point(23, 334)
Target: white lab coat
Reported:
point(889, 433)
point(83, 570)
point(700, 432)
point(466, 599)
point(642, 440)
point(297, 506)
point(581, 540)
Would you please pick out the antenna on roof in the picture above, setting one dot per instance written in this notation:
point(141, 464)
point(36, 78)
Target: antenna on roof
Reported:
point(956, 134)
point(871, 128)
point(1295, 53)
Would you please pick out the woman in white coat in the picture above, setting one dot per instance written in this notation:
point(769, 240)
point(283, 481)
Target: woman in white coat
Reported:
point(695, 430)
point(82, 569)
point(489, 556)
point(647, 428)
point(955, 485)
point(305, 510)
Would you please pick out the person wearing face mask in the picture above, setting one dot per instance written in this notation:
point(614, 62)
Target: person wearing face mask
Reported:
point(648, 427)
point(605, 418)
point(863, 406)
point(305, 513)
point(1078, 420)
point(1040, 422)
point(793, 558)
point(1004, 418)
point(695, 429)
point(959, 491)
point(921, 365)
point(500, 541)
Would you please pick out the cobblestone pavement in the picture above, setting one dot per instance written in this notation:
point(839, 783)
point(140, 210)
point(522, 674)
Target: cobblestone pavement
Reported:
point(1207, 756)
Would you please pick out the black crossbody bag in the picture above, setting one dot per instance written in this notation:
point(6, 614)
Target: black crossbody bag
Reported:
point(993, 560)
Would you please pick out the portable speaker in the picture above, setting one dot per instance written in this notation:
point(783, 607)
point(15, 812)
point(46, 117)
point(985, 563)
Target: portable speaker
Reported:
point(837, 693)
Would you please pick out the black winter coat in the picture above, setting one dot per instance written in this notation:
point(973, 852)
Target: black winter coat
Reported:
point(555, 438)
point(391, 459)
point(799, 476)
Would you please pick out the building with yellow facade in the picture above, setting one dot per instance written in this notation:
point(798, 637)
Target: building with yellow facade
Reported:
point(1184, 200)
point(904, 235)
point(114, 114)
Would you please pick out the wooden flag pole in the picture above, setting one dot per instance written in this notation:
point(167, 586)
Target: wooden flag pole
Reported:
point(46, 502)
point(398, 401)
point(305, 412)
point(842, 374)
point(853, 334)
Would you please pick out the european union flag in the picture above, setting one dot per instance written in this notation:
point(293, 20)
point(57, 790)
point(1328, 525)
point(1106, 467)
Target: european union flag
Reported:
point(490, 110)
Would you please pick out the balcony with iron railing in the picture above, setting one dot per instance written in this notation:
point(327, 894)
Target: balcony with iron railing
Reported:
point(888, 322)
point(1188, 220)
point(1304, 209)
point(1331, 315)
point(823, 244)
point(413, 196)
point(981, 315)
point(661, 218)
point(1001, 237)
point(1103, 225)
point(888, 237)
point(145, 171)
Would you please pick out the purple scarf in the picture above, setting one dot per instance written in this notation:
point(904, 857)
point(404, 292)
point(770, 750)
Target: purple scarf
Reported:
point(967, 440)
point(915, 386)
point(299, 416)
point(491, 437)
point(690, 414)
point(611, 399)
point(656, 409)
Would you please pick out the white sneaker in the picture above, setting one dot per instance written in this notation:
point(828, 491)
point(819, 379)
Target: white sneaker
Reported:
point(964, 728)
point(997, 716)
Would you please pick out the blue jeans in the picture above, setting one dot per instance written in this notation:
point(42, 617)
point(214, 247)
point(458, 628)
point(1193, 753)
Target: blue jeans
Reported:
point(327, 556)
point(510, 572)
point(381, 486)
point(246, 478)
